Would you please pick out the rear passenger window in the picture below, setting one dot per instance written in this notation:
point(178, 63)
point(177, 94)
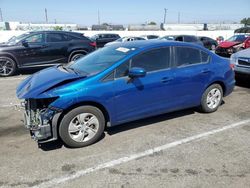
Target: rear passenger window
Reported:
point(188, 56)
point(55, 37)
point(190, 39)
point(204, 57)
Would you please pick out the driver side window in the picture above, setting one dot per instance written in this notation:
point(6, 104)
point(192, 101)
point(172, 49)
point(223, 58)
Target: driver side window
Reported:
point(153, 60)
point(37, 38)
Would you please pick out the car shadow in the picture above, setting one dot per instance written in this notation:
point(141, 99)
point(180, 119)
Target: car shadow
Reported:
point(28, 71)
point(144, 122)
point(243, 81)
point(124, 127)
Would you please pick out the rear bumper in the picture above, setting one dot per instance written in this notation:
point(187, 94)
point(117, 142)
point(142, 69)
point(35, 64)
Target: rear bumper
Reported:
point(229, 88)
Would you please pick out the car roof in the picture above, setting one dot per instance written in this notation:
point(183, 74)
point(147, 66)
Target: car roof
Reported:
point(141, 44)
point(52, 31)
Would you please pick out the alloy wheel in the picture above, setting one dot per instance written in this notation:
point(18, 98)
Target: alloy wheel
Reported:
point(83, 127)
point(214, 98)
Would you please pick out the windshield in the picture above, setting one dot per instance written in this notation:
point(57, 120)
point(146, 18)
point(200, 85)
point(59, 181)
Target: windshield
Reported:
point(240, 38)
point(100, 60)
point(14, 40)
point(168, 38)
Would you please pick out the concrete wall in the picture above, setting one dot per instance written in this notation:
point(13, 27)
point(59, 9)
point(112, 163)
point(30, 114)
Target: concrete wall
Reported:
point(5, 35)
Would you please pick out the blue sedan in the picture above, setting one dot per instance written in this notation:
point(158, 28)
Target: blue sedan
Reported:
point(121, 83)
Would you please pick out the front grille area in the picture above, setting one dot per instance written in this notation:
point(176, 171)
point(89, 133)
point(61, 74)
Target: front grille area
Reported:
point(244, 61)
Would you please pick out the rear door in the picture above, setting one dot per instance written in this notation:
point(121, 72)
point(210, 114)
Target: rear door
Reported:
point(192, 72)
point(152, 94)
point(57, 45)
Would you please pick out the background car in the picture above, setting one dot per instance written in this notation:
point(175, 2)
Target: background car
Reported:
point(232, 45)
point(122, 83)
point(241, 61)
point(125, 39)
point(208, 43)
point(183, 38)
point(104, 38)
point(42, 49)
point(149, 37)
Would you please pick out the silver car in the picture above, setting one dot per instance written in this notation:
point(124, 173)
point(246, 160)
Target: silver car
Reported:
point(241, 61)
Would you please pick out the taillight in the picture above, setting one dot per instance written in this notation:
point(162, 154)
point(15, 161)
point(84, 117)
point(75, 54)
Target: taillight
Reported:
point(232, 66)
point(92, 44)
point(244, 45)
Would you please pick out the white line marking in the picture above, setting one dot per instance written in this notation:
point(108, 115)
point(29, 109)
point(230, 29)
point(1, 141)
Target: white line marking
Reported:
point(9, 79)
point(9, 105)
point(55, 181)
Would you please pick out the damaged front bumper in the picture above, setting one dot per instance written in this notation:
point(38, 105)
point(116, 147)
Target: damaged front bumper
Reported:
point(41, 120)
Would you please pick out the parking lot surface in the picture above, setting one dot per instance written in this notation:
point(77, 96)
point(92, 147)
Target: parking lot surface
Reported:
point(180, 149)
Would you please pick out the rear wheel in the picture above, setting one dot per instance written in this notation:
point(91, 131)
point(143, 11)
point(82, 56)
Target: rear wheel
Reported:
point(211, 98)
point(76, 56)
point(7, 66)
point(82, 126)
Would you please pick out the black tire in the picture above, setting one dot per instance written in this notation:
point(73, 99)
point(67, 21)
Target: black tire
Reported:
point(204, 107)
point(76, 56)
point(64, 126)
point(10, 64)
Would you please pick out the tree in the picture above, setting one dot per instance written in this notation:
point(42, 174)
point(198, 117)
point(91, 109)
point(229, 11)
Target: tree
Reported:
point(151, 23)
point(105, 24)
point(58, 28)
point(245, 21)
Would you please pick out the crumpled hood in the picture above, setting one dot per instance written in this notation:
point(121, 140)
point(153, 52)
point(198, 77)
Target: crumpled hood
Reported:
point(44, 80)
point(228, 44)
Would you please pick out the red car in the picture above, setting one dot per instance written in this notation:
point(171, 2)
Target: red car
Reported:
point(232, 45)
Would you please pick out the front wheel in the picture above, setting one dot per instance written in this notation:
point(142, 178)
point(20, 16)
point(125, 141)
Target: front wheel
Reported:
point(211, 98)
point(82, 126)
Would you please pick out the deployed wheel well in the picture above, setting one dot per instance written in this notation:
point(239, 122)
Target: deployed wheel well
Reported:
point(221, 84)
point(11, 57)
point(77, 52)
point(89, 103)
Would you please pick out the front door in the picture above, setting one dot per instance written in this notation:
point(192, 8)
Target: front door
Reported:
point(145, 96)
point(33, 52)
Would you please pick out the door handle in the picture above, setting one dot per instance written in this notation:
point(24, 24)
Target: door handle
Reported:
point(166, 79)
point(205, 71)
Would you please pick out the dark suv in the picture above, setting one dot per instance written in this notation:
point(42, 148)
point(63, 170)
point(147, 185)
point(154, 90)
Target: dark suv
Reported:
point(104, 38)
point(183, 38)
point(42, 48)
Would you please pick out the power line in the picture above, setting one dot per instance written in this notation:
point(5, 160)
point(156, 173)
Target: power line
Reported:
point(1, 15)
point(165, 12)
point(99, 22)
point(46, 16)
point(179, 17)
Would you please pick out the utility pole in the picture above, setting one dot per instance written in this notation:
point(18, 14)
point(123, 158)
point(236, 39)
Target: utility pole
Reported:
point(46, 16)
point(165, 12)
point(1, 15)
point(179, 18)
point(99, 22)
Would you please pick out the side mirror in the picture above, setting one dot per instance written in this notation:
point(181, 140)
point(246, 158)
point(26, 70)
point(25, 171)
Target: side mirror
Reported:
point(136, 72)
point(25, 43)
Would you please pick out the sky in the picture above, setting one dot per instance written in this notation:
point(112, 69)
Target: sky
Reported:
point(85, 12)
